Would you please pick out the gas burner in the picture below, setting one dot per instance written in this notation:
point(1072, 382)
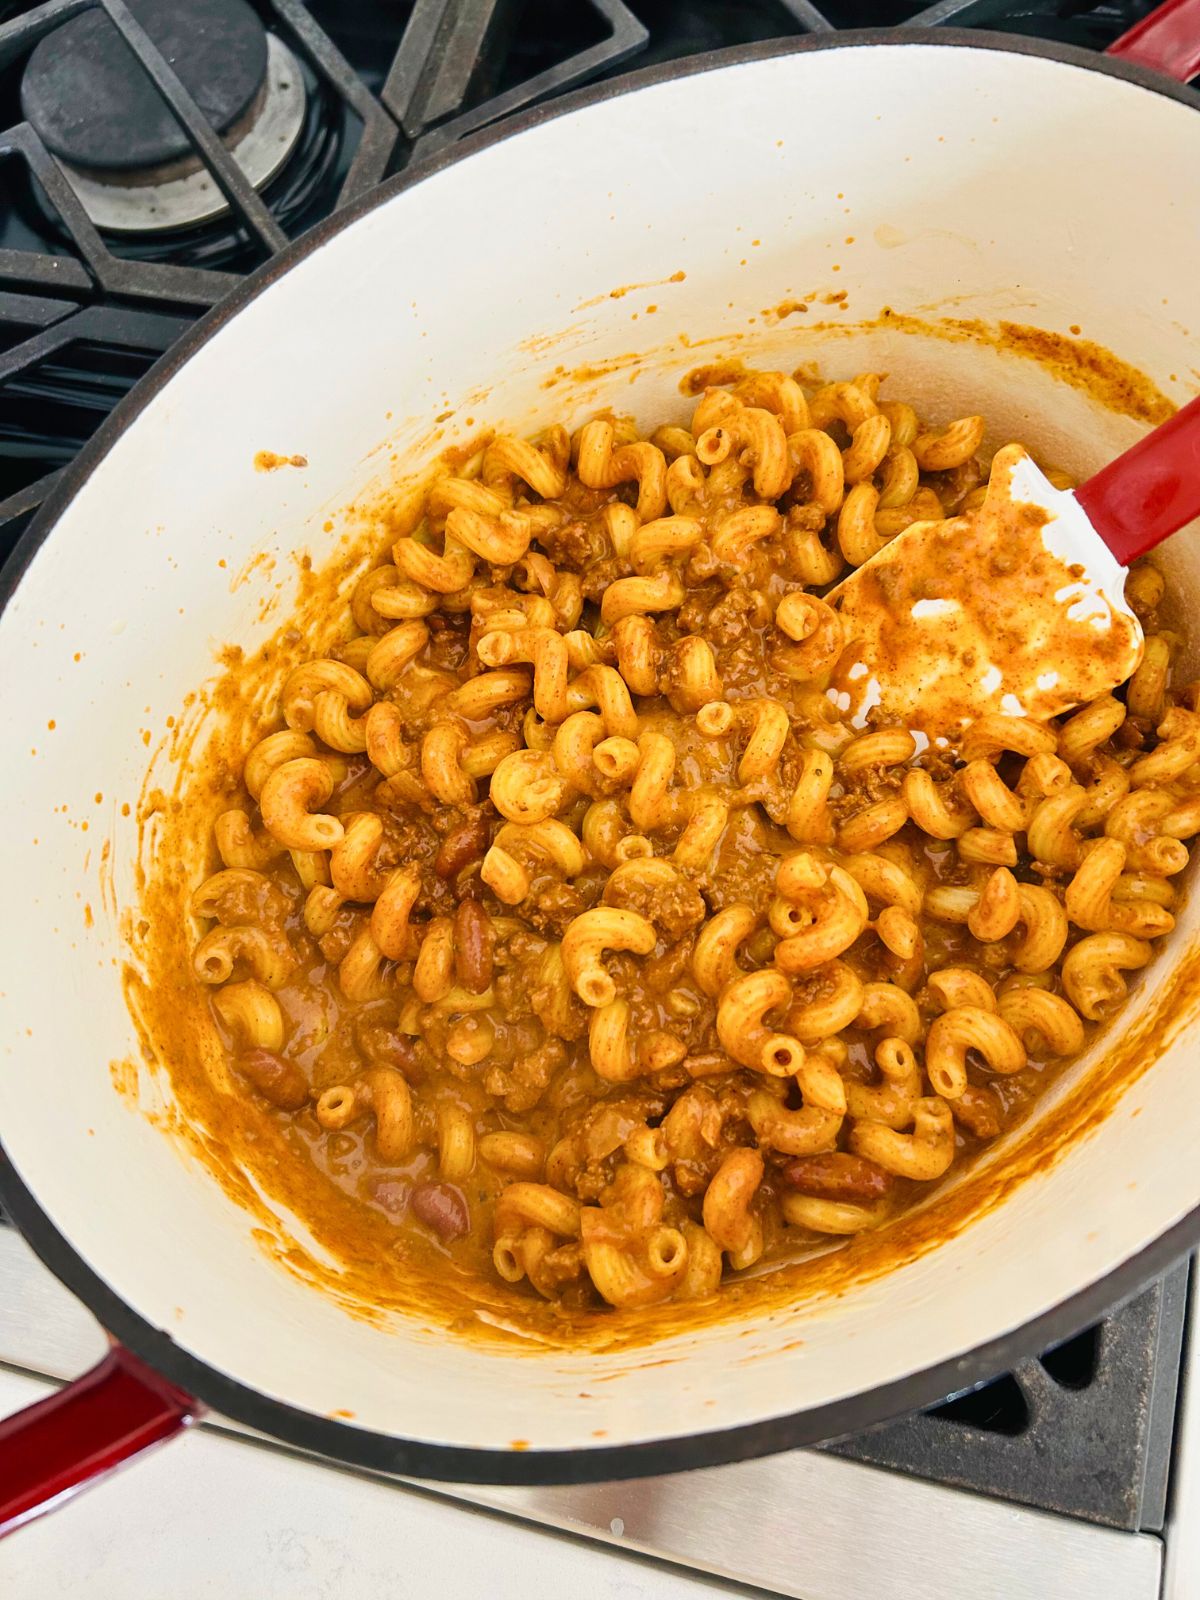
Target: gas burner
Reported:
point(126, 157)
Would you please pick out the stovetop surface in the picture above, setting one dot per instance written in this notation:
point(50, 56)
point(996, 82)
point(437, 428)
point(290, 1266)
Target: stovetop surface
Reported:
point(85, 312)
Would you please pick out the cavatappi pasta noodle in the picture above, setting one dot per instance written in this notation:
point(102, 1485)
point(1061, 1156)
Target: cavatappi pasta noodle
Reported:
point(561, 923)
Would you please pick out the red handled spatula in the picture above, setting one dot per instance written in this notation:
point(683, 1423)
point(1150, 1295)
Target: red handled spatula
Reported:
point(1019, 606)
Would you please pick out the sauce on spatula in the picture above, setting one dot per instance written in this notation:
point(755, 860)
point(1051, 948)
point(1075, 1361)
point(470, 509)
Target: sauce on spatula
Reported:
point(1017, 607)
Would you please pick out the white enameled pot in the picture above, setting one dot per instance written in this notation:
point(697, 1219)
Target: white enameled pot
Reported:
point(945, 176)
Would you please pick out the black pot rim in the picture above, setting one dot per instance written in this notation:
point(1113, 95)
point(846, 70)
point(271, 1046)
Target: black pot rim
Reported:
point(387, 1453)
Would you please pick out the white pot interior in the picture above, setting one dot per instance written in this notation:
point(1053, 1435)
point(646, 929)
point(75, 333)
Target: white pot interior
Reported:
point(973, 184)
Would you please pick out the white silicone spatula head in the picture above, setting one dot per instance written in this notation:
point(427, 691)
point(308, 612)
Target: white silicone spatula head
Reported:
point(1018, 607)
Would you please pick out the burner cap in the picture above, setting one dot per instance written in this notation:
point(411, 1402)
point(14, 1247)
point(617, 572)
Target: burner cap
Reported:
point(87, 95)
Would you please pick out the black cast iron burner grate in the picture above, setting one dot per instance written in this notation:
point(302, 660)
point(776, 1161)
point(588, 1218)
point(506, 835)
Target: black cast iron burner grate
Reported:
point(384, 87)
point(1085, 1429)
point(84, 313)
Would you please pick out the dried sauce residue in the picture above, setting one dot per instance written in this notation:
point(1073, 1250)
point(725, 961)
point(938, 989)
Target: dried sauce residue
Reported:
point(271, 460)
point(124, 1075)
point(1089, 366)
point(261, 562)
point(1111, 381)
point(1106, 378)
point(630, 288)
point(795, 305)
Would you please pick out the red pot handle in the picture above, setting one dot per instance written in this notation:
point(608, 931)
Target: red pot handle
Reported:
point(72, 1437)
point(1167, 41)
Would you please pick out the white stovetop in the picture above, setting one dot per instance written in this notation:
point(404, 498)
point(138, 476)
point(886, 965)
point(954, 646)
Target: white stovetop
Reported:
point(222, 1515)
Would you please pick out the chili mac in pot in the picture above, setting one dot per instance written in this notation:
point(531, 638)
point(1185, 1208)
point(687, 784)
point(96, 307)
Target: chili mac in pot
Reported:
point(563, 931)
point(476, 1009)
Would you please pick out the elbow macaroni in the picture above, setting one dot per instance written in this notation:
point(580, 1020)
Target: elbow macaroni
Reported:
point(567, 918)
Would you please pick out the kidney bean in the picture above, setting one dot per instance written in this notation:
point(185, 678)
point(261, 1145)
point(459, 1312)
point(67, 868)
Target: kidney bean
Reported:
point(443, 1208)
point(385, 1046)
point(979, 1111)
point(473, 946)
point(275, 1077)
point(460, 847)
point(838, 1177)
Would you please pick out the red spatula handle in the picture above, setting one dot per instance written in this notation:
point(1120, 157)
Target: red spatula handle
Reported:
point(1142, 497)
point(1168, 40)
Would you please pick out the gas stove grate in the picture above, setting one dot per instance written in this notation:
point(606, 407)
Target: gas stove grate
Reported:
point(384, 89)
point(1085, 1429)
point(422, 103)
point(63, 366)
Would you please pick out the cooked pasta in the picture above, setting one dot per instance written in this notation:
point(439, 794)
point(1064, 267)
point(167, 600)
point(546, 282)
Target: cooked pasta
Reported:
point(560, 918)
